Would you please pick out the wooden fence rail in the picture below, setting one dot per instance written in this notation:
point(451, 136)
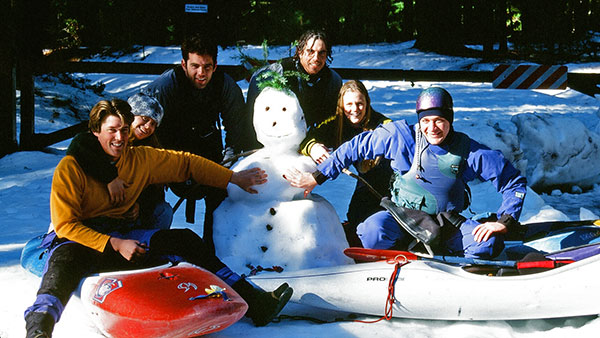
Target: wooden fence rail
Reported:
point(585, 83)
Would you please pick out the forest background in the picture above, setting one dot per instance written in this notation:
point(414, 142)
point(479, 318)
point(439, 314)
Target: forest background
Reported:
point(543, 31)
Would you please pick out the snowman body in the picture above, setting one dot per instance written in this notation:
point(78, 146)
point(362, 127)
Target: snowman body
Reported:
point(277, 226)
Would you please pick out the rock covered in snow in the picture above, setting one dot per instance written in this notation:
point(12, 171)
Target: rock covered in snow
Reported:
point(502, 137)
point(552, 160)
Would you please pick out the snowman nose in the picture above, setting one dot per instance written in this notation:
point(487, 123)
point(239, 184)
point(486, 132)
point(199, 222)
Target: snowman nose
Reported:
point(274, 123)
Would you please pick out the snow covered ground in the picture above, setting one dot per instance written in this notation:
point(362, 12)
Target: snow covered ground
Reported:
point(553, 136)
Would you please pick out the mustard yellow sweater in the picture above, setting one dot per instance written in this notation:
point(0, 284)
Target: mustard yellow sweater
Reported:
point(76, 197)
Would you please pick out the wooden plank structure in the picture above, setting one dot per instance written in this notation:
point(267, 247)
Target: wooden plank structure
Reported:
point(585, 83)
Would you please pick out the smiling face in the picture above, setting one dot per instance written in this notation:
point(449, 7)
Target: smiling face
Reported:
point(355, 107)
point(278, 119)
point(143, 127)
point(199, 69)
point(435, 129)
point(314, 56)
point(113, 136)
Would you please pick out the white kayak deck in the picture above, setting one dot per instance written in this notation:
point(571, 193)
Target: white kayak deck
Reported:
point(433, 290)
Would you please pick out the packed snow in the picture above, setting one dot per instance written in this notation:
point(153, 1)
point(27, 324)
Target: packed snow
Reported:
point(552, 136)
point(280, 227)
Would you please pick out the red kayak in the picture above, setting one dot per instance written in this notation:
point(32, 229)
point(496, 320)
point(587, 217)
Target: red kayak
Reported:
point(165, 301)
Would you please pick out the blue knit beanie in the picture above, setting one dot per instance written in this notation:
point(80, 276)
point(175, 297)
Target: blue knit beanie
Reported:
point(144, 105)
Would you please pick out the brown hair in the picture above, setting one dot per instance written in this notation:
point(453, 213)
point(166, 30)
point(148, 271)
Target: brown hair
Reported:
point(105, 108)
point(351, 86)
point(317, 35)
point(201, 44)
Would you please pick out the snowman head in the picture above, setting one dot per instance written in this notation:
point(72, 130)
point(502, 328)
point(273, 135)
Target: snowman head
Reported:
point(278, 119)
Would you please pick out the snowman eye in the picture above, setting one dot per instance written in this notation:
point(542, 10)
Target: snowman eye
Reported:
point(267, 108)
point(284, 109)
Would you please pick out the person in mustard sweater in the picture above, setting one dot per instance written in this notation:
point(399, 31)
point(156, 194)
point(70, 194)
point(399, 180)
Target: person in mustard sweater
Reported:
point(151, 208)
point(91, 234)
point(353, 116)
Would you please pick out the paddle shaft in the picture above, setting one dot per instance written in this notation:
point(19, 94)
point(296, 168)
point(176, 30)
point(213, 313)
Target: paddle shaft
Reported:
point(376, 255)
point(372, 255)
point(540, 229)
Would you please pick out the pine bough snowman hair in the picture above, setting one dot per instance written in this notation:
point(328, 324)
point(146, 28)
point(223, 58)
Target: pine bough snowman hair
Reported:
point(267, 77)
point(277, 80)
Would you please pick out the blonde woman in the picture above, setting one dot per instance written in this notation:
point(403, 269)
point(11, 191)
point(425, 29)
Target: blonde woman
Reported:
point(354, 115)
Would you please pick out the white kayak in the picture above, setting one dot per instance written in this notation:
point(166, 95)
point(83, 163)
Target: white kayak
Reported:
point(428, 289)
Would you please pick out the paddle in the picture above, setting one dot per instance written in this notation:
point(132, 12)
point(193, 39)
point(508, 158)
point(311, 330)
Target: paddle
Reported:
point(373, 255)
point(541, 229)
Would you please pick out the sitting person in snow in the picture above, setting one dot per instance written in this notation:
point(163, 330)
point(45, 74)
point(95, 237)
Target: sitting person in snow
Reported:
point(353, 115)
point(151, 207)
point(90, 234)
point(432, 164)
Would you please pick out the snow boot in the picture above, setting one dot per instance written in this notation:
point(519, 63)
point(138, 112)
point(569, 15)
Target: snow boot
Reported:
point(263, 306)
point(39, 325)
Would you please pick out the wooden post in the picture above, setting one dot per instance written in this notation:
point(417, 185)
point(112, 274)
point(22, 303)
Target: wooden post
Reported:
point(29, 36)
point(26, 84)
point(8, 101)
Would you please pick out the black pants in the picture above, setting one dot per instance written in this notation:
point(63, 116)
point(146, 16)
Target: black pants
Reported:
point(71, 262)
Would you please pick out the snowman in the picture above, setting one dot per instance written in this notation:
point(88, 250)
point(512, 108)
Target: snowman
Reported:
point(278, 226)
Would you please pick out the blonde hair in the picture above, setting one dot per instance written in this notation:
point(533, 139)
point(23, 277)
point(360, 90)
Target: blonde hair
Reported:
point(351, 86)
point(105, 108)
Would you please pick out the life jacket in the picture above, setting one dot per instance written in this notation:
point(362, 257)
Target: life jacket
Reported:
point(434, 182)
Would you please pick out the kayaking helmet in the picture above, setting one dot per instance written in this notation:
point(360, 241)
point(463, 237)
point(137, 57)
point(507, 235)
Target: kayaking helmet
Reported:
point(435, 101)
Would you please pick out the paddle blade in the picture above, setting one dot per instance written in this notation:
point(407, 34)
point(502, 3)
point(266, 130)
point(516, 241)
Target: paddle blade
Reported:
point(549, 264)
point(373, 255)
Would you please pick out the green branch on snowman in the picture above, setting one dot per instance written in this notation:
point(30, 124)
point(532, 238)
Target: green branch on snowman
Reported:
point(277, 80)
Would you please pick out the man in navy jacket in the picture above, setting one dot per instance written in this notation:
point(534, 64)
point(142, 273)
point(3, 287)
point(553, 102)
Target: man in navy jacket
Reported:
point(196, 97)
